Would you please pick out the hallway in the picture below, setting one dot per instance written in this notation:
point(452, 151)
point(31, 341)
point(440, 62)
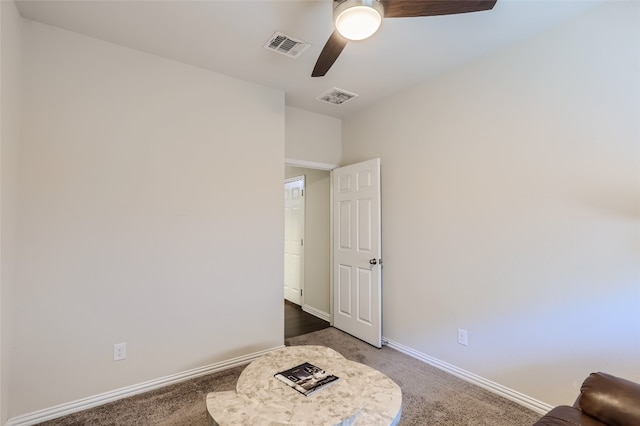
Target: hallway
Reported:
point(297, 322)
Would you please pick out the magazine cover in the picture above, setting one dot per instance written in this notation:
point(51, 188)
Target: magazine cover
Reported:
point(306, 378)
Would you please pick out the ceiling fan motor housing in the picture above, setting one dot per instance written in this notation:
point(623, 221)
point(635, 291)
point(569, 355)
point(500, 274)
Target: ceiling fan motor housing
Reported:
point(357, 19)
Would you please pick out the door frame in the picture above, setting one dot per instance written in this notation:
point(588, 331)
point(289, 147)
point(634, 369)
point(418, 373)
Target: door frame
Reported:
point(329, 168)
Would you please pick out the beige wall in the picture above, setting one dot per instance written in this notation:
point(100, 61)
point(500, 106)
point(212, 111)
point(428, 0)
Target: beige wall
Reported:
point(317, 268)
point(511, 208)
point(135, 225)
point(313, 137)
point(10, 71)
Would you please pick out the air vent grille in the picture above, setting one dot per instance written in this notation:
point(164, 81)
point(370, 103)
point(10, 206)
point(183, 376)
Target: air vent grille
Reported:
point(285, 45)
point(336, 96)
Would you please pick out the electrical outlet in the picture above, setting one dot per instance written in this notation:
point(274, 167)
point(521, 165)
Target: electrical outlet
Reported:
point(462, 337)
point(119, 351)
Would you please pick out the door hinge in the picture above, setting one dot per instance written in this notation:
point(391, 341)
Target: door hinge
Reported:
point(300, 292)
point(302, 241)
point(302, 192)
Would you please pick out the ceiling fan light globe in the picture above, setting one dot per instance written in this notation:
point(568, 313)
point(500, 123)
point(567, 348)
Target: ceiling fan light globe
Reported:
point(358, 20)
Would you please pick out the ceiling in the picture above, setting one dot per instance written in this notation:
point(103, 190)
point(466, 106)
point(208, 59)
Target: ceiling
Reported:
point(227, 36)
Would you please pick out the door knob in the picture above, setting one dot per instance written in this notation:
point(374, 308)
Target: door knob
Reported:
point(373, 261)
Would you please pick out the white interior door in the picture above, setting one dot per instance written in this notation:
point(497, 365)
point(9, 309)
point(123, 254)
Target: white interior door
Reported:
point(357, 302)
point(294, 239)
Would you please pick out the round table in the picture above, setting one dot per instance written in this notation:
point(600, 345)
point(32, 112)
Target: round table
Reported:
point(363, 396)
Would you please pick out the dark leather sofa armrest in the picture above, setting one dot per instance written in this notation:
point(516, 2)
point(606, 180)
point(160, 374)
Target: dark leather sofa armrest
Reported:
point(612, 400)
point(563, 415)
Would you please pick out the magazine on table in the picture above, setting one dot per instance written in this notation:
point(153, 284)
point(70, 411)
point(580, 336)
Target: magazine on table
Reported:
point(306, 378)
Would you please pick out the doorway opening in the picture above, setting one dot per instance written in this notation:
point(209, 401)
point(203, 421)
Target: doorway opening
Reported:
point(313, 310)
point(351, 212)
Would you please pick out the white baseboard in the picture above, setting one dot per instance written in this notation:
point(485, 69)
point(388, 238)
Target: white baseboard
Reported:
point(510, 394)
point(317, 313)
point(103, 398)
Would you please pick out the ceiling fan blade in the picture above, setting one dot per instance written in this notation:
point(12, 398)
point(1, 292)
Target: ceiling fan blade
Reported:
point(412, 8)
point(329, 54)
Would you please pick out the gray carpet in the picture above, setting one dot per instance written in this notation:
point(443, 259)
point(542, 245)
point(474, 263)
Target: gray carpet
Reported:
point(429, 395)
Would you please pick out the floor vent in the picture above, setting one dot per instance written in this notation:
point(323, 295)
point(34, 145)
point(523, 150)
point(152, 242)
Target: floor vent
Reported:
point(336, 96)
point(285, 45)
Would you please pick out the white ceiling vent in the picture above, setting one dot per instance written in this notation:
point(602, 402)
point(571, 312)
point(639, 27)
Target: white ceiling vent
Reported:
point(286, 45)
point(336, 96)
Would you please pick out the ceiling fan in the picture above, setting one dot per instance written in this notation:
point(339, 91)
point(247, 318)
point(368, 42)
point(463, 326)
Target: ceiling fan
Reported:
point(360, 19)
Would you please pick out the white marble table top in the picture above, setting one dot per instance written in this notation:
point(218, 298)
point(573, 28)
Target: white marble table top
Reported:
point(363, 396)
